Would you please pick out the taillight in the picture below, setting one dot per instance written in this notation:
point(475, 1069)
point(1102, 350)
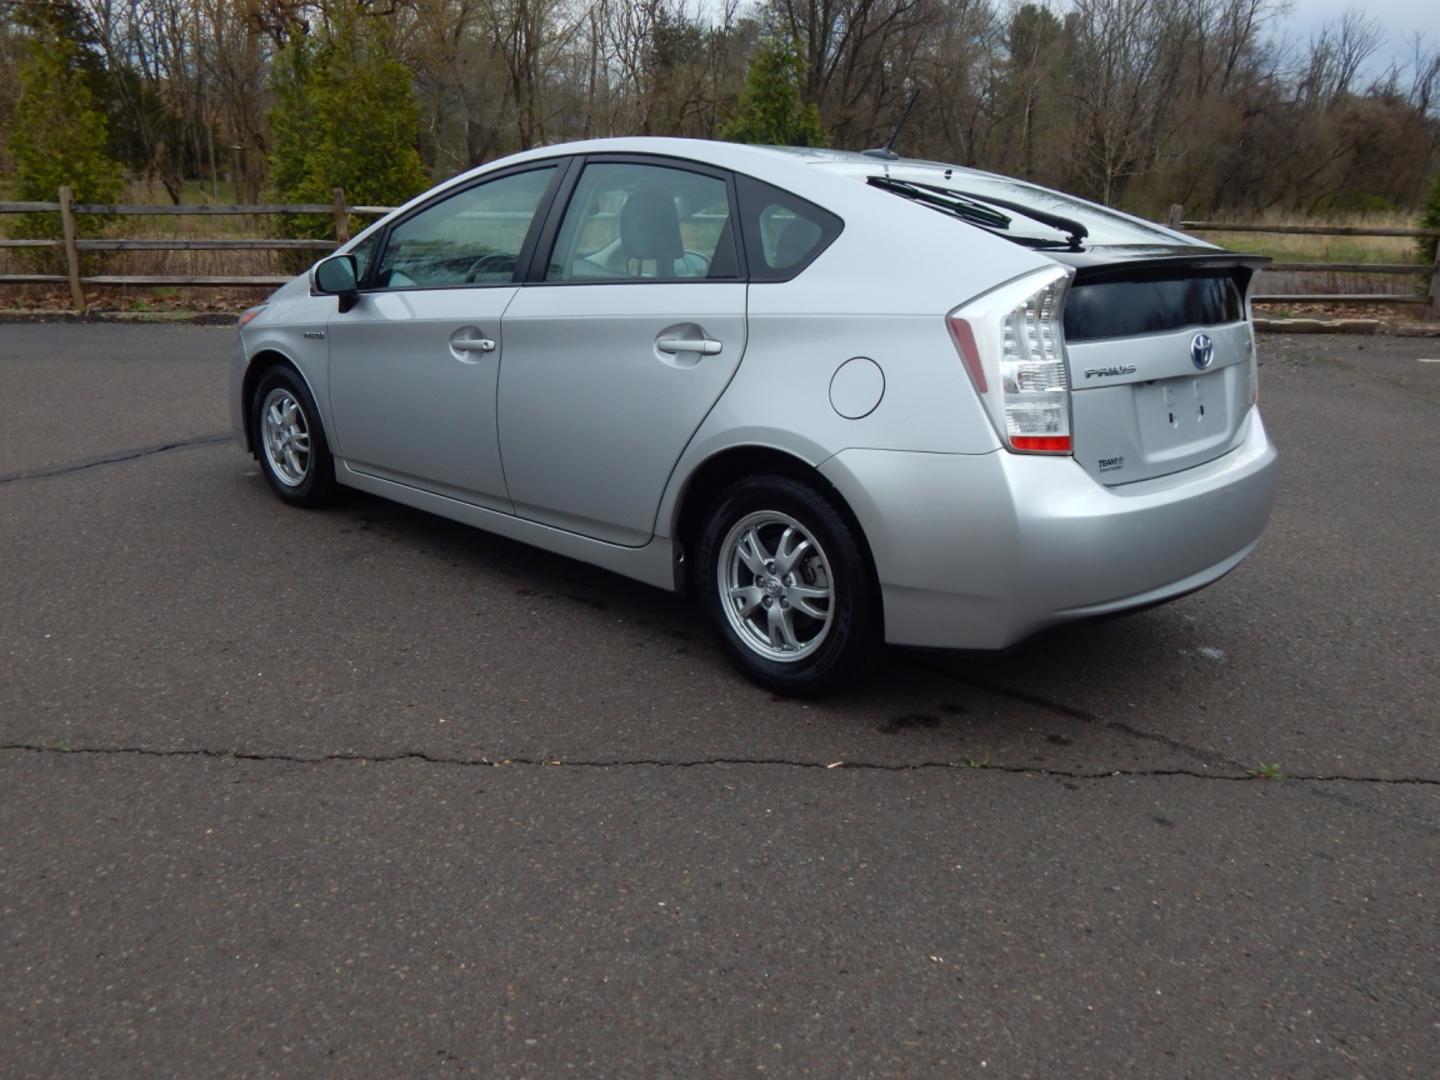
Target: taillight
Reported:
point(1254, 372)
point(1250, 332)
point(1012, 343)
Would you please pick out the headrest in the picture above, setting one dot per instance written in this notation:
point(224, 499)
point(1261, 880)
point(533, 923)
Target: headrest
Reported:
point(795, 241)
point(649, 225)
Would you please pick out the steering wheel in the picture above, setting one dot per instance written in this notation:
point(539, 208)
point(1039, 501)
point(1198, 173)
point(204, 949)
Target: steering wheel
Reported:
point(493, 263)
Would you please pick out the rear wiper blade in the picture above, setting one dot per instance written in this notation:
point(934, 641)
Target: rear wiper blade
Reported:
point(941, 199)
point(1073, 229)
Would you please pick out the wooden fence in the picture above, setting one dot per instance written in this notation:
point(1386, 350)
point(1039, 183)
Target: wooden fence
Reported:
point(1431, 302)
point(74, 248)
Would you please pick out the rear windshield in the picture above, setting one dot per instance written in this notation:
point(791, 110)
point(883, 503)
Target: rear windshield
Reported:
point(1105, 227)
point(1113, 309)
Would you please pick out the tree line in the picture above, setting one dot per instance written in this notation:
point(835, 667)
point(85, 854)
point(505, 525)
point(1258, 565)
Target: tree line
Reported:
point(1139, 103)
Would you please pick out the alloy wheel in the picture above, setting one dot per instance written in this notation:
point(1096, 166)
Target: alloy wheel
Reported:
point(285, 432)
point(776, 586)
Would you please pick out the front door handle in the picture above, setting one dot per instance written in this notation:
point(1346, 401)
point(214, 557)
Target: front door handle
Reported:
point(703, 346)
point(473, 345)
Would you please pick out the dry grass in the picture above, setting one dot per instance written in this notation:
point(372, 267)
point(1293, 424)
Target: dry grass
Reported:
point(1333, 249)
point(164, 227)
point(1289, 248)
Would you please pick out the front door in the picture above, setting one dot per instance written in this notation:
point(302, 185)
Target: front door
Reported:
point(616, 356)
point(414, 364)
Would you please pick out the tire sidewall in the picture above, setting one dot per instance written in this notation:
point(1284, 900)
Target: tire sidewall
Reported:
point(320, 477)
point(853, 637)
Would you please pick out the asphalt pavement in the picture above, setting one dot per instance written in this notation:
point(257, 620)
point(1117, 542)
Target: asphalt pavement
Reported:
point(365, 792)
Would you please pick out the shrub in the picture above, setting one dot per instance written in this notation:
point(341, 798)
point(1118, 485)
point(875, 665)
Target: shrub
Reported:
point(58, 137)
point(344, 116)
point(1430, 220)
point(772, 110)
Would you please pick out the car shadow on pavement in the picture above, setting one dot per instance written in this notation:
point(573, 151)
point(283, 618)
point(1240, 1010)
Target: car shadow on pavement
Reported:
point(1006, 709)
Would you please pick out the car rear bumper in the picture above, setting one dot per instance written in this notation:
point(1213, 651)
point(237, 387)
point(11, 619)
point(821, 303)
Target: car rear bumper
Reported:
point(979, 551)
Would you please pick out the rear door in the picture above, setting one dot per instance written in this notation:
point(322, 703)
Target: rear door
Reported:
point(630, 328)
point(414, 364)
point(1162, 364)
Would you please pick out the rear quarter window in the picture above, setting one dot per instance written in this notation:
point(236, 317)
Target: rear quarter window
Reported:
point(783, 232)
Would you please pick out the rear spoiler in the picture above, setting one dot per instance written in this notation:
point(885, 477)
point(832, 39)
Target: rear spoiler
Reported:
point(1148, 263)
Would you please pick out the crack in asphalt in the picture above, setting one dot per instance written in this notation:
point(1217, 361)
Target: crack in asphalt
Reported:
point(1206, 757)
point(1196, 753)
point(111, 459)
point(687, 763)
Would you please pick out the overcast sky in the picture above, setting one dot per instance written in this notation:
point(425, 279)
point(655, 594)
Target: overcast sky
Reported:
point(1400, 18)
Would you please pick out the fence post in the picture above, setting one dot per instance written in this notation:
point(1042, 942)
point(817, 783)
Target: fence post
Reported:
point(342, 219)
point(72, 253)
point(1434, 312)
point(1177, 215)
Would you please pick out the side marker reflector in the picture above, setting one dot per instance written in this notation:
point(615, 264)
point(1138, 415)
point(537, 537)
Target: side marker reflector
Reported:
point(1051, 443)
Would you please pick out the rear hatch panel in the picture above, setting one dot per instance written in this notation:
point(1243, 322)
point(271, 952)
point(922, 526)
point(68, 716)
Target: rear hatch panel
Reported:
point(1161, 354)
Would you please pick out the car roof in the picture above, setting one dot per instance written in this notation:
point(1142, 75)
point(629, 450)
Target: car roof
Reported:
point(825, 176)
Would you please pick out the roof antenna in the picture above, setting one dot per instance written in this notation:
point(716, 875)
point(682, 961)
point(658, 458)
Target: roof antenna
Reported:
point(887, 152)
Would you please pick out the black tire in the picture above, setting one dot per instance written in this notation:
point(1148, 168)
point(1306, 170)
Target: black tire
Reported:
point(829, 652)
point(313, 483)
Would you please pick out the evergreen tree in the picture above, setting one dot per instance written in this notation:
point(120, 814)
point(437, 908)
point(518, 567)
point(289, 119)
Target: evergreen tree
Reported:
point(1430, 220)
point(57, 136)
point(344, 116)
point(772, 109)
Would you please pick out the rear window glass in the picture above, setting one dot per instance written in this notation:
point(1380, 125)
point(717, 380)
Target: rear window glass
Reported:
point(1104, 226)
point(783, 233)
point(1109, 309)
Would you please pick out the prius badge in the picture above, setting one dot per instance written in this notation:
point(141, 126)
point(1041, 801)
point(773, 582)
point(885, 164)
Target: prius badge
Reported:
point(1202, 351)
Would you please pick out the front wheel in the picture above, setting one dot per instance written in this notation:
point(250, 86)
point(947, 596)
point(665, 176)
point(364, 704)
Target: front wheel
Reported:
point(289, 441)
point(787, 586)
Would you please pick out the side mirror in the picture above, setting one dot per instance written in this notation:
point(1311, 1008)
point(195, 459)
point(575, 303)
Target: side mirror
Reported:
point(335, 276)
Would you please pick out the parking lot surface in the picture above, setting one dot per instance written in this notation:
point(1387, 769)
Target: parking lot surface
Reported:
point(365, 792)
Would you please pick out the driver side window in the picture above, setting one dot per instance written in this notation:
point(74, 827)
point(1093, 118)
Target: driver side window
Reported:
point(473, 237)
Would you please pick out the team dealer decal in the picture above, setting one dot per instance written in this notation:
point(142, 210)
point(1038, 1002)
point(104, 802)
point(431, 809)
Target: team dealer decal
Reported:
point(1110, 464)
point(1109, 372)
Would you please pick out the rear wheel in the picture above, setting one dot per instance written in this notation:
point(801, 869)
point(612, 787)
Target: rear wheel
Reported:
point(289, 441)
point(787, 586)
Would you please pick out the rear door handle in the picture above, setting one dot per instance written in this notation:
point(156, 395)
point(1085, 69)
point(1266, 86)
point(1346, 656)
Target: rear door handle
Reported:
point(703, 346)
point(473, 345)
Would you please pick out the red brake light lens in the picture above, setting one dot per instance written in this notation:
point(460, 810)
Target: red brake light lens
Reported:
point(1045, 444)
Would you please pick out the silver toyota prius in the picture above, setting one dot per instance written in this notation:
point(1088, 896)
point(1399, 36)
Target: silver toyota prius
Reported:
point(840, 398)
